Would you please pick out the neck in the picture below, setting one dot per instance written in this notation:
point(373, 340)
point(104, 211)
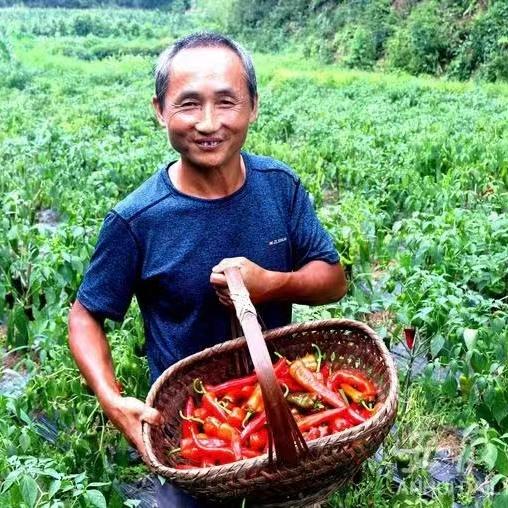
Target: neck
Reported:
point(208, 183)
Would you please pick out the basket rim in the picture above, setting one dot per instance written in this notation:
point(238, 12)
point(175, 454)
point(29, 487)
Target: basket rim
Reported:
point(361, 431)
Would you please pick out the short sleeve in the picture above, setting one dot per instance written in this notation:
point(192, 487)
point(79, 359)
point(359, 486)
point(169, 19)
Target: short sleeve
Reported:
point(309, 239)
point(108, 285)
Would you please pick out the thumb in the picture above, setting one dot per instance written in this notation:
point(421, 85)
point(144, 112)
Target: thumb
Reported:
point(151, 416)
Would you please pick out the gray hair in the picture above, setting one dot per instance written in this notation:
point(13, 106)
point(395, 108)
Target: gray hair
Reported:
point(202, 40)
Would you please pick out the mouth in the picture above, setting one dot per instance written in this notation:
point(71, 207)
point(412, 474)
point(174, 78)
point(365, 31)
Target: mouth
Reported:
point(208, 144)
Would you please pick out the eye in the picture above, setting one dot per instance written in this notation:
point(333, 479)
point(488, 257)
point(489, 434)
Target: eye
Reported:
point(227, 102)
point(189, 104)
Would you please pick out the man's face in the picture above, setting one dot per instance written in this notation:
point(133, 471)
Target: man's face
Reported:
point(207, 110)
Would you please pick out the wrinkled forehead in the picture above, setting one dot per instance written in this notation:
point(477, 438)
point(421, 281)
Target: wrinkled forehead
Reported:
point(206, 68)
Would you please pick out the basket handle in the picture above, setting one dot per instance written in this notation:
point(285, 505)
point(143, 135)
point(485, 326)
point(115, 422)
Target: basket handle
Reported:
point(287, 440)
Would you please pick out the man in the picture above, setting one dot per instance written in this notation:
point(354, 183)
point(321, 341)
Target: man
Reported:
point(168, 241)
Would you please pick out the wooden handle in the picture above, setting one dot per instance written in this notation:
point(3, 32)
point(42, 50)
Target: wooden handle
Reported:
point(287, 440)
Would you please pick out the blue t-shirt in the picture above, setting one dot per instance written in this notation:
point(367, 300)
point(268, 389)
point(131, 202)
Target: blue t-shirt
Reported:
point(161, 245)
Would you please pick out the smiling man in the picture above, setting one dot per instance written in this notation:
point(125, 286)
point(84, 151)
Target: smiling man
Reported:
point(168, 242)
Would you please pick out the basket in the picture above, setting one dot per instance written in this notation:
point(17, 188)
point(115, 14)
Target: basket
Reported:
point(330, 462)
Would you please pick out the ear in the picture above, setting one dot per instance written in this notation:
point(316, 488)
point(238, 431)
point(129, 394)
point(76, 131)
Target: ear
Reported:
point(254, 112)
point(158, 111)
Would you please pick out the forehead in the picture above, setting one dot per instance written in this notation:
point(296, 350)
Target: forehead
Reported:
point(201, 69)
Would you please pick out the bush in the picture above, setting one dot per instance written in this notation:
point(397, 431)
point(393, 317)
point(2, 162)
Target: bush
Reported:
point(15, 75)
point(362, 50)
point(424, 44)
point(485, 49)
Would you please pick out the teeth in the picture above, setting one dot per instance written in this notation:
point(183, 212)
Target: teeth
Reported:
point(209, 144)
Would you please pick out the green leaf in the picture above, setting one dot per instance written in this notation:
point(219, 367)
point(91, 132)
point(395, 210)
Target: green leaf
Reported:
point(470, 337)
point(464, 458)
point(449, 387)
point(501, 500)
point(436, 344)
point(80, 478)
point(11, 478)
point(479, 441)
point(24, 441)
point(26, 419)
point(479, 362)
point(423, 313)
point(132, 503)
point(51, 472)
point(489, 456)
point(498, 406)
point(54, 488)
point(96, 497)
point(502, 462)
point(29, 490)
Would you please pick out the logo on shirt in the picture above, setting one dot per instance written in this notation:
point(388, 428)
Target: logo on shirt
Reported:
point(279, 240)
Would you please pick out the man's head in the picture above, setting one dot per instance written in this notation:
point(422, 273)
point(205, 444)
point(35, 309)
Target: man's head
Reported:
point(206, 98)
point(202, 40)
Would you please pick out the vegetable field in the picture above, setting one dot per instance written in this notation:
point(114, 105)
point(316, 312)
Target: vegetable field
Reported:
point(409, 174)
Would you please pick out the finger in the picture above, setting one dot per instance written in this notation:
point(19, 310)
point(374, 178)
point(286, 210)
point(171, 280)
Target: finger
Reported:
point(225, 302)
point(151, 416)
point(136, 440)
point(217, 279)
point(227, 263)
point(223, 292)
point(138, 443)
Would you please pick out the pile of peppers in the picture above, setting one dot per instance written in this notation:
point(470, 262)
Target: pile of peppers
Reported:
point(229, 422)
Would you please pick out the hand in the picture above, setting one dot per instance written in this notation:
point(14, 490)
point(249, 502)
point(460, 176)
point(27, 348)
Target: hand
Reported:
point(255, 278)
point(127, 414)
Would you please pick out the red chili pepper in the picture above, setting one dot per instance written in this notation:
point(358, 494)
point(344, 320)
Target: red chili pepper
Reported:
point(311, 434)
point(341, 423)
point(258, 440)
point(191, 453)
point(360, 408)
point(213, 408)
point(291, 384)
point(319, 418)
point(232, 385)
point(220, 454)
point(354, 414)
point(280, 366)
point(357, 379)
point(236, 417)
point(187, 424)
point(409, 335)
point(200, 412)
point(239, 383)
point(307, 379)
point(237, 394)
point(254, 425)
point(215, 428)
point(325, 372)
point(354, 394)
point(247, 453)
point(206, 441)
point(255, 403)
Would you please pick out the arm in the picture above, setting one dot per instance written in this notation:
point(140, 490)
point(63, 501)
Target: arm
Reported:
point(90, 349)
point(315, 283)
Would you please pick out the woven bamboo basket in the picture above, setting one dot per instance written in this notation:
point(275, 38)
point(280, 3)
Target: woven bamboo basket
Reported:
point(332, 460)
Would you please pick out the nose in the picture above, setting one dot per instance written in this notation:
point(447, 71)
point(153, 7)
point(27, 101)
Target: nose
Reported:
point(209, 121)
